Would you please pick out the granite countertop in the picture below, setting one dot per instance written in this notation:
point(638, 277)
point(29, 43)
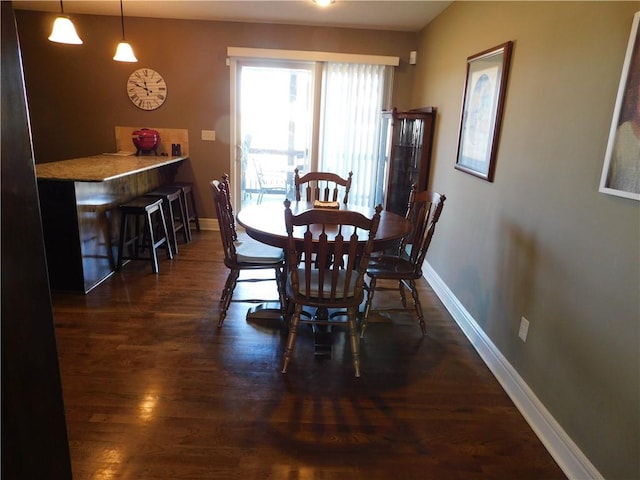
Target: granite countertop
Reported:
point(101, 168)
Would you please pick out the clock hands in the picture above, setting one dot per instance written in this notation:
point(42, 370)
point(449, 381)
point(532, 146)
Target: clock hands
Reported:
point(148, 90)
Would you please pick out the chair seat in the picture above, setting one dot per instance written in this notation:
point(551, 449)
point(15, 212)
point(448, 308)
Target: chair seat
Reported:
point(250, 251)
point(166, 191)
point(393, 268)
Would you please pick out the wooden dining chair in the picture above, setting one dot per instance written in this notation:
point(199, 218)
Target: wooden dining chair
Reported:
point(315, 280)
point(242, 254)
point(405, 266)
point(324, 186)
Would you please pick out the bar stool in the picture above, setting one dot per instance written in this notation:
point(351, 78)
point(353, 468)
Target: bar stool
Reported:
point(191, 212)
point(152, 235)
point(174, 212)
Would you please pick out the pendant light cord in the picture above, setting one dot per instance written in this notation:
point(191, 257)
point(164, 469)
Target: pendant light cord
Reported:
point(121, 17)
point(61, 8)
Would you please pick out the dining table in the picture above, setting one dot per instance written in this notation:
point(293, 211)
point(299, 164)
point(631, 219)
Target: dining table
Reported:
point(266, 223)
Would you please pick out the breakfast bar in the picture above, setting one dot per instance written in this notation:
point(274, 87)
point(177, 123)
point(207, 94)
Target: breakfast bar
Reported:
point(79, 201)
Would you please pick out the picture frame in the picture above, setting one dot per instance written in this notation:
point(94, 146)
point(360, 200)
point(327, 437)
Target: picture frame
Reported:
point(621, 168)
point(482, 106)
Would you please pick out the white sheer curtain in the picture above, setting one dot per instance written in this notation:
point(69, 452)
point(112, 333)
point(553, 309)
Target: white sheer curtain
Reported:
point(353, 96)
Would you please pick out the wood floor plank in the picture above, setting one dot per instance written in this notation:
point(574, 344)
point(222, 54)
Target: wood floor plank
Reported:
point(154, 390)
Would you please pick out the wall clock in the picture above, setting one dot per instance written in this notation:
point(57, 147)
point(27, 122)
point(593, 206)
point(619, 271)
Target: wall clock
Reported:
point(147, 89)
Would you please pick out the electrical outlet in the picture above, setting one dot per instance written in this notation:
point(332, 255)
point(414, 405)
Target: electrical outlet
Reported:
point(209, 135)
point(524, 329)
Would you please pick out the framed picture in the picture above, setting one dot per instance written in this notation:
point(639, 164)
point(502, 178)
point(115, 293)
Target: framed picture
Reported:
point(482, 106)
point(621, 170)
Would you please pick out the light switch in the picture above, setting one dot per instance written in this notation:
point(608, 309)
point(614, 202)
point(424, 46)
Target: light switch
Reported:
point(209, 135)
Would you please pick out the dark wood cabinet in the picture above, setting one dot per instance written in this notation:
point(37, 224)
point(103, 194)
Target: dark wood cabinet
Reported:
point(407, 141)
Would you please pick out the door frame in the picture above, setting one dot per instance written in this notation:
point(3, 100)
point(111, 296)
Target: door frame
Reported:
point(235, 55)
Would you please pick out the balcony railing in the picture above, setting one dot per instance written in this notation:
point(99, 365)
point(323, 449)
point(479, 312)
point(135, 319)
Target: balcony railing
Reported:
point(267, 174)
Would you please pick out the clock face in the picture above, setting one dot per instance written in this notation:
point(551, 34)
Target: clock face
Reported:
point(147, 89)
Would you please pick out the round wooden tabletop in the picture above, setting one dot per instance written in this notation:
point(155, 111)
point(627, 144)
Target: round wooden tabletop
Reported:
point(265, 223)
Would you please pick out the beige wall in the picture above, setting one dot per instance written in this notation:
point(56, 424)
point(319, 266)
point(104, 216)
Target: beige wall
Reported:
point(541, 241)
point(77, 93)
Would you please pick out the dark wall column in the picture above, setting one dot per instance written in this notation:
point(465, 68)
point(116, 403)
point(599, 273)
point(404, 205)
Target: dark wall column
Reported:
point(34, 435)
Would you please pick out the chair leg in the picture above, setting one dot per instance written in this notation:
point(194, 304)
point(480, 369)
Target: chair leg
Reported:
point(186, 228)
point(194, 211)
point(165, 230)
point(418, 306)
point(186, 214)
point(371, 288)
point(353, 337)
point(138, 236)
point(291, 338)
point(108, 238)
point(280, 282)
point(169, 218)
point(123, 233)
point(148, 225)
point(403, 295)
point(288, 315)
point(227, 294)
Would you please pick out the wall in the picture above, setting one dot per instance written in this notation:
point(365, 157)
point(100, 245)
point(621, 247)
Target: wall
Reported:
point(541, 241)
point(34, 433)
point(77, 93)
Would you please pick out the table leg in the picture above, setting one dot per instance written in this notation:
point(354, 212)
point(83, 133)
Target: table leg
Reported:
point(322, 335)
point(265, 311)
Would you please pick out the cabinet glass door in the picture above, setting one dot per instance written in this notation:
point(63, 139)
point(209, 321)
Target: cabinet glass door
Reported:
point(405, 158)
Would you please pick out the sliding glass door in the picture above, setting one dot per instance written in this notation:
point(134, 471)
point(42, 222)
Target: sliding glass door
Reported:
point(308, 115)
point(275, 119)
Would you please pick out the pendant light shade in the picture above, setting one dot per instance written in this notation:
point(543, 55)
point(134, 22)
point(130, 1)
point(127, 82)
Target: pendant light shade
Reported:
point(324, 3)
point(63, 30)
point(124, 52)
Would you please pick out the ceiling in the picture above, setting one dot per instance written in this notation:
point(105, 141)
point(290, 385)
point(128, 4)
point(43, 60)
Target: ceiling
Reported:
point(399, 15)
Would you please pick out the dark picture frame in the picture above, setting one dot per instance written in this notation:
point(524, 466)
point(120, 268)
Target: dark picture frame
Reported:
point(621, 169)
point(482, 106)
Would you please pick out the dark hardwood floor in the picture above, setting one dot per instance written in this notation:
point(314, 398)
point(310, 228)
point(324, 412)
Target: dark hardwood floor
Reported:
point(154, 390)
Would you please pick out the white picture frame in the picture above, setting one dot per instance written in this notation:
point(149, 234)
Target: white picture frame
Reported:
point(621, 169)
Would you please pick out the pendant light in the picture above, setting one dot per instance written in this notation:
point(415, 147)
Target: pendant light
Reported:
point(63, 30)
point(124, 52)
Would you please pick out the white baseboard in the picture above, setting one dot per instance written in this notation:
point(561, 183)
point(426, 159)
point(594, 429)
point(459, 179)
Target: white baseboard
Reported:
point(561, 447)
